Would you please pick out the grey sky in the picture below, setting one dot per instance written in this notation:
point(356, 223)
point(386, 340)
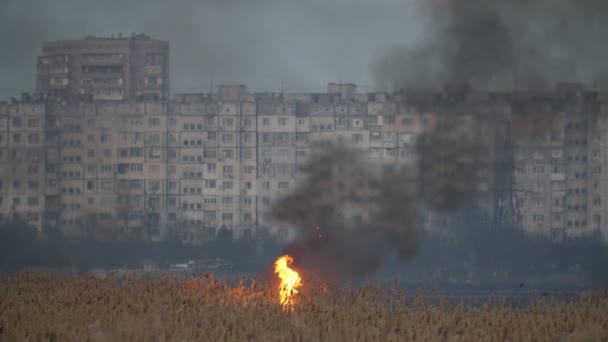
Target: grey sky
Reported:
point(493, 44)
point(256, 42)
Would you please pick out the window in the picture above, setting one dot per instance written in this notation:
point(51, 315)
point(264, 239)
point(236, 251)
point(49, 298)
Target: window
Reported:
point(105, 216)
point(247, 218)
point(538, 218)
point(247, 153)
point(597, 170)
point(210, 183)
point(32, 169)
point(249, 169)
point(227, 200)
point(210, 153)
point(228, 169)
point(136, 151)
point(374, 136)
point(227, 154)
point(107, 185)
point(154, 121)
point(16, 122)
point(106, 169)
point(32, 201)
point(154, 185)
point(266, 121)
point(211, 167)
point(282, 169)
point(209, 216)
point(17, 138)
point(301, 137)
point(33, 122)
point(226, 216)
point(226, 185)
point(135, 184)
point(227, 138)
point(282, 121)
point(283, 185)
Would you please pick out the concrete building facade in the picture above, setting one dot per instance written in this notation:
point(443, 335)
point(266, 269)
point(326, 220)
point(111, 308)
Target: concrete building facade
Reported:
point(198, 162)
point(114, 68)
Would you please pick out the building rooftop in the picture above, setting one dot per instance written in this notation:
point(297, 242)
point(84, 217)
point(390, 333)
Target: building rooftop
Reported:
point(118, 36)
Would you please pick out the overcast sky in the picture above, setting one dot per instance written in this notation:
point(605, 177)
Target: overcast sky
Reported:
point(256, 42)
point(378, 44)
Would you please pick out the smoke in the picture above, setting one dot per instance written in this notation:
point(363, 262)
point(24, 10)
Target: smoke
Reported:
point(257, 43)
point(351, 215)
point(501, 45)
point(457, 156)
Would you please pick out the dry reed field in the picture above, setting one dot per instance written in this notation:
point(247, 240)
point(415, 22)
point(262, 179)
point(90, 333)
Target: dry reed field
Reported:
point(36, 307)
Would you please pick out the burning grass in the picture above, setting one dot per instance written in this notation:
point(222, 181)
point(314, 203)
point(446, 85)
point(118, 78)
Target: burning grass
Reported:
point(133, 308)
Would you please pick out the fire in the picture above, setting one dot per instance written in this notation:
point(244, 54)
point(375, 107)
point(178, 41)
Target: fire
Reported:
point(290, 280)
point(318, 231)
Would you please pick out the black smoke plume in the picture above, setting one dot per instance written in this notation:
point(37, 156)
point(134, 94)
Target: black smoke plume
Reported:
point(457, 157)
point(351, 215)
point(496, 44)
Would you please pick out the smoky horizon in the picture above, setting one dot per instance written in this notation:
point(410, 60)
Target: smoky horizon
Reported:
point(448, 124)
point(296, 46)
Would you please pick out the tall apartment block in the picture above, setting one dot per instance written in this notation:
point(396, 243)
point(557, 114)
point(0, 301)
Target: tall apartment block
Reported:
point(101, 149)
point(115, 68)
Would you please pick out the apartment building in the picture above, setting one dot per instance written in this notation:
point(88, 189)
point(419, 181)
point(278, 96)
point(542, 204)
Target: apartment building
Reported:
point(106, 68)
point(199, 162)
point(559, 161)
point(22, 162)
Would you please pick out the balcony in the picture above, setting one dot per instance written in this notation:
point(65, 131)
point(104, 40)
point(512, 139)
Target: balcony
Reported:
point(153, 70)
point(106, 59)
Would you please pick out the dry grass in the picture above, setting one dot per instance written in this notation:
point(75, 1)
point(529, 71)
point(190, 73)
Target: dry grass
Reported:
point(130, 308)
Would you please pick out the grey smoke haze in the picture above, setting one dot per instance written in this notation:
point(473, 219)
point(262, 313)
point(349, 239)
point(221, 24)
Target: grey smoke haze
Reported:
point(455, 160)
point(258, 43)
point(502, 45)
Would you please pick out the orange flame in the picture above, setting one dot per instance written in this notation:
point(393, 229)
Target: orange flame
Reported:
point(290, 280)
